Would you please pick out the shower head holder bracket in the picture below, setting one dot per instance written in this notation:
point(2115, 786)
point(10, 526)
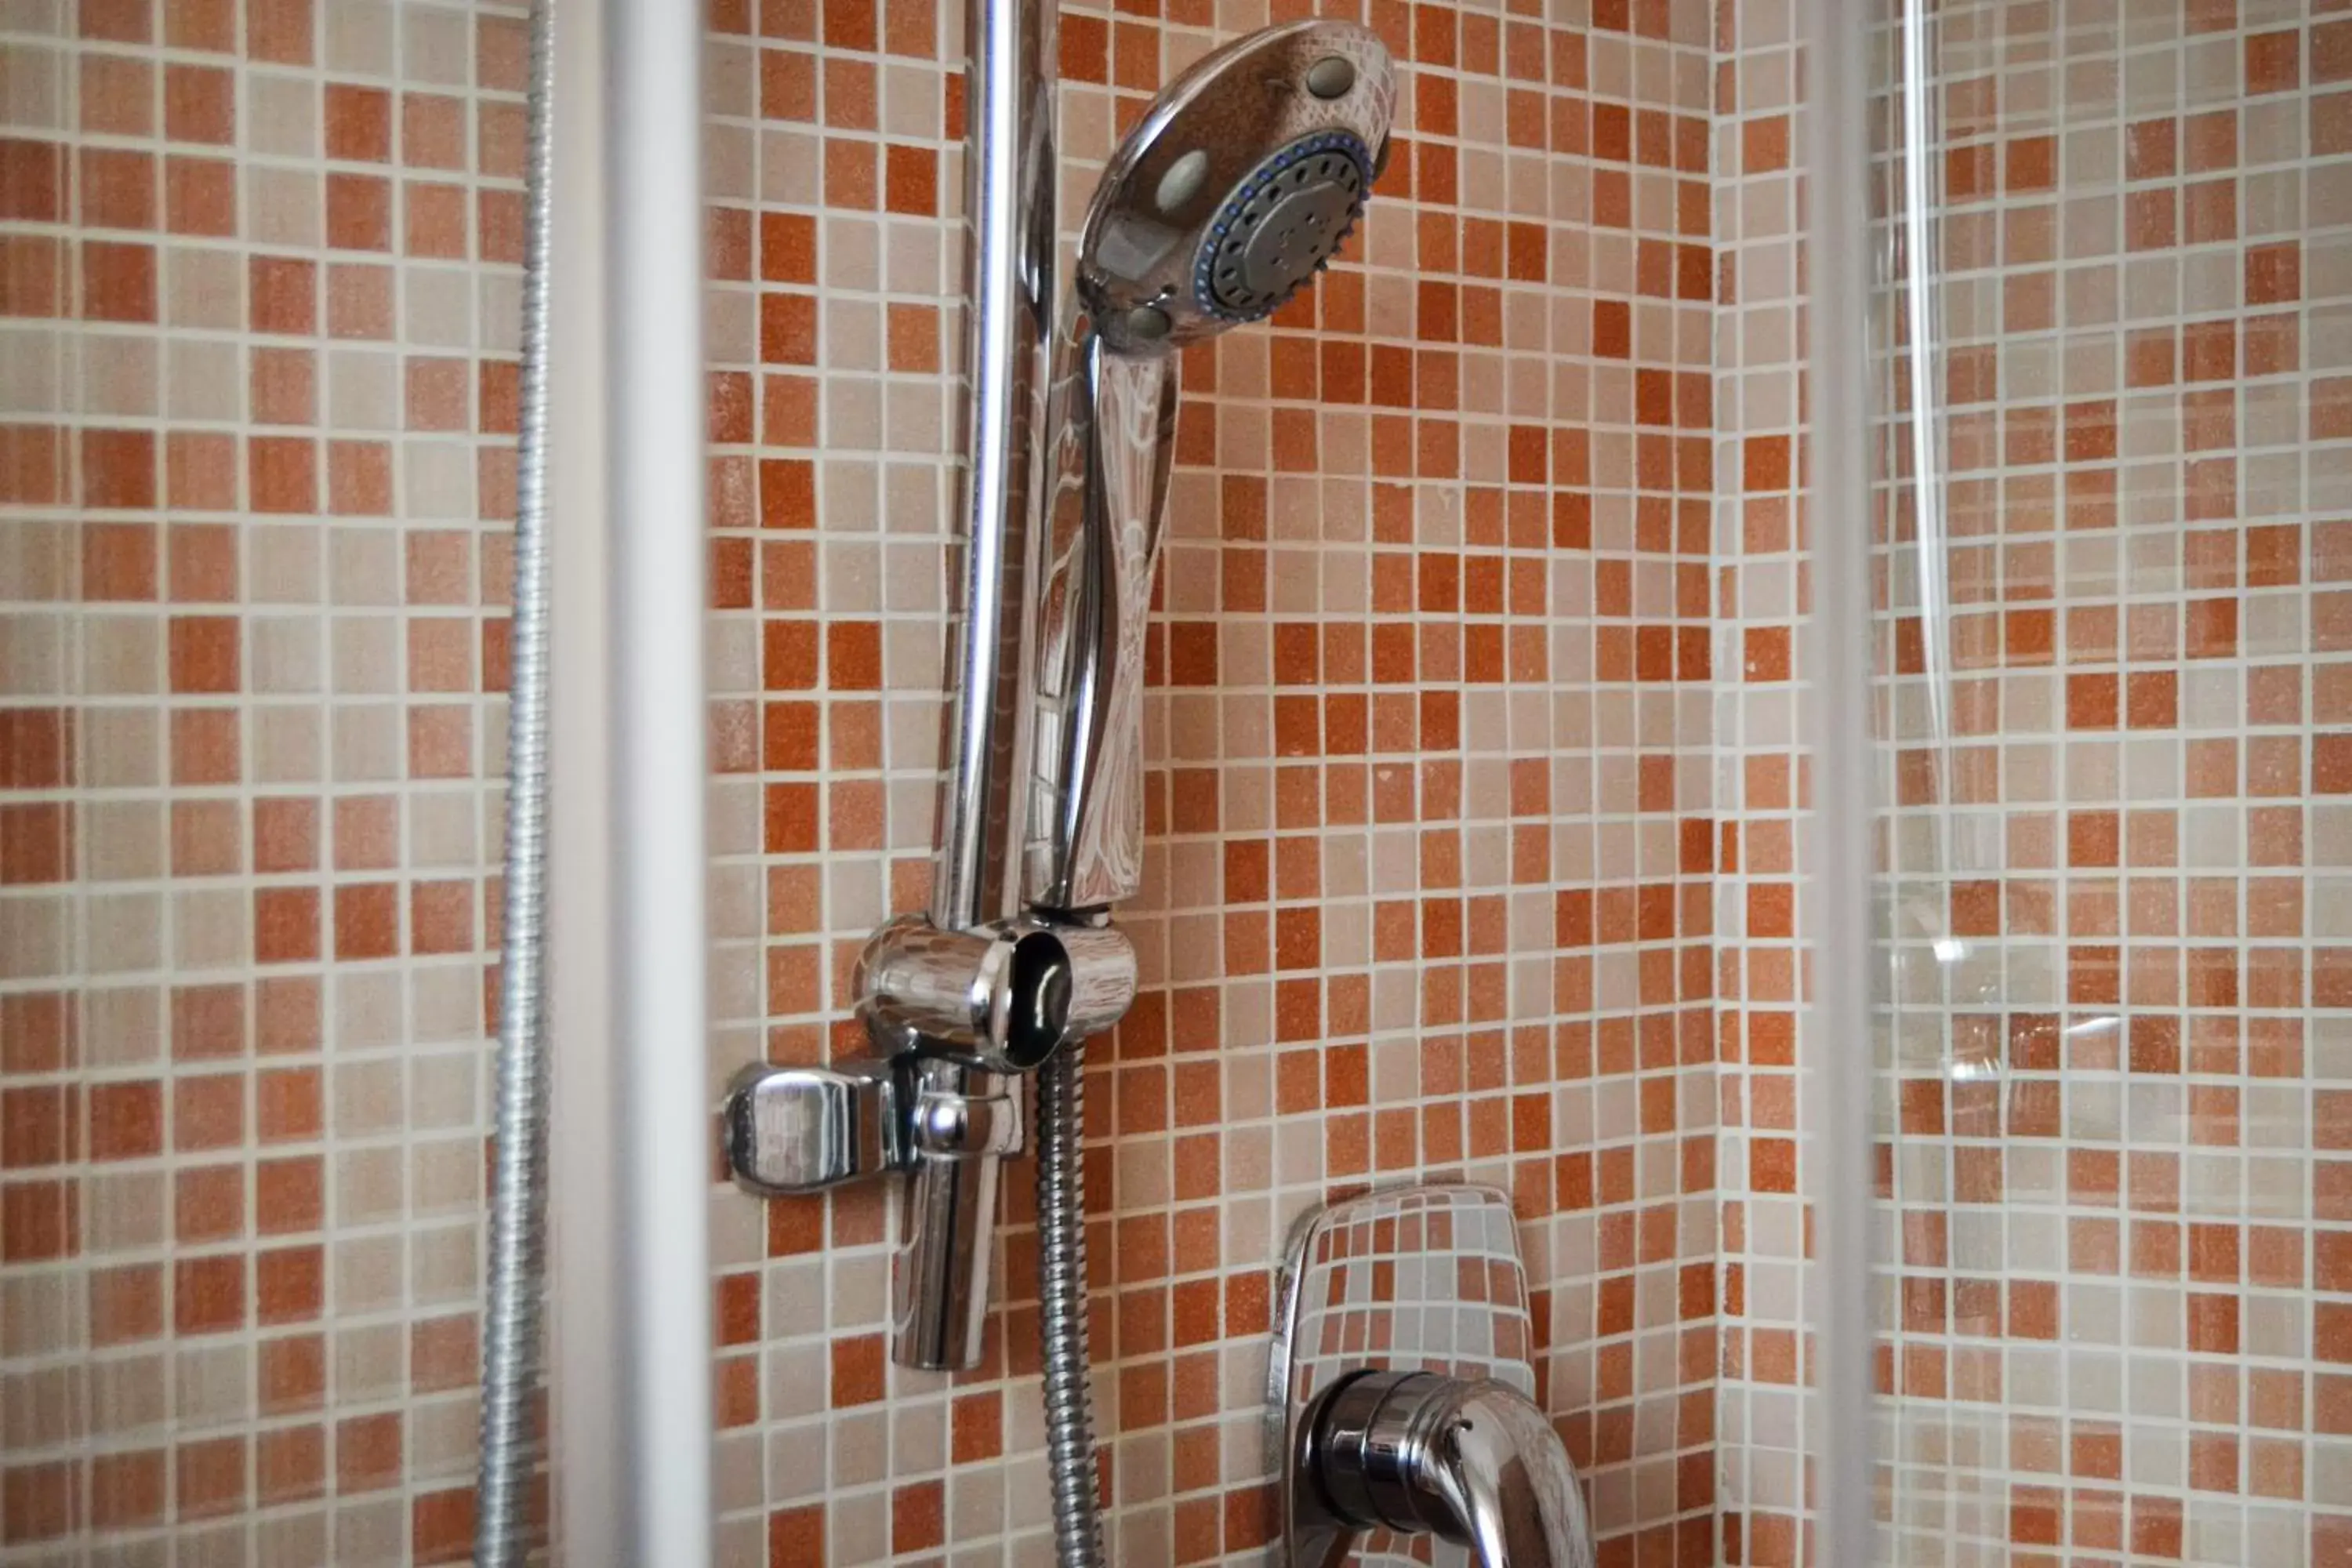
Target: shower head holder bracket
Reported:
point(1001, 999)
point(1003, 996)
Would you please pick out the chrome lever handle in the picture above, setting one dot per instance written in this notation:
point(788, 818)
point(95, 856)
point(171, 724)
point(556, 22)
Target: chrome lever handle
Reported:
point(1474, 1462)
point(1111, 448)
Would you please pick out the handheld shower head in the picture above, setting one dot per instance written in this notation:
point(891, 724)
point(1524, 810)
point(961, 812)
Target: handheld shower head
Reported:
point(1237, 186)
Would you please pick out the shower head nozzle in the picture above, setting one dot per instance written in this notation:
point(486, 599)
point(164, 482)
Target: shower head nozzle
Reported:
point(1240, 184)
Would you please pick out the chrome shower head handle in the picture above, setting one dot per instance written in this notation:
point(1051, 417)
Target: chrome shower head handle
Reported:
point(1236, 189)
point(1116, 418)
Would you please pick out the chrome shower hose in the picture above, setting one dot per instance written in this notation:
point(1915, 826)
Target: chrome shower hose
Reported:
point(517, 1263)
point(1062, 1308)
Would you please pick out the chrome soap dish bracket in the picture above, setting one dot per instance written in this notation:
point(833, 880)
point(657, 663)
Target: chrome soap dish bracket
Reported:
point(1401, 1390)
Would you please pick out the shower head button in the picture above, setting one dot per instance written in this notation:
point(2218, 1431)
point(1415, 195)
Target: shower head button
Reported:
point(1181, 182)
point(1332, 76)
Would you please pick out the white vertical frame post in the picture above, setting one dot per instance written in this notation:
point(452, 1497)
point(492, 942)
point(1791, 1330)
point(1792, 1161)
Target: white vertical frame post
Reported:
point(653, 457)
point(630, 1142)
point(582, 1361)
point(1839, 735)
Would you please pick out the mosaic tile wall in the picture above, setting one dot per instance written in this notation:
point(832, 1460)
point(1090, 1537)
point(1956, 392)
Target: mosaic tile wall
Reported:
point(1759, 598)
point(1428, 797)
point(2119, 1302)
point(1473, 728)
point(1430, 806)
point(257, 271)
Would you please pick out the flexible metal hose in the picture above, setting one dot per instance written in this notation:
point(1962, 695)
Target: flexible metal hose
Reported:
point(1062, 1308)
point(510, 1322)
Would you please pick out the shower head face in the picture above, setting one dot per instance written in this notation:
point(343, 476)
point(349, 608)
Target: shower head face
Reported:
point(1238, 186)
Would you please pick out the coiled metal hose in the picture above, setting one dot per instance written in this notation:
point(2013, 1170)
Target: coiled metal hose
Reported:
point(1062, 1308)
point(510, 1322)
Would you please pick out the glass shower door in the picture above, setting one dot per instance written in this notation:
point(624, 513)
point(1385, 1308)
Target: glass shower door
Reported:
point(2113, 365)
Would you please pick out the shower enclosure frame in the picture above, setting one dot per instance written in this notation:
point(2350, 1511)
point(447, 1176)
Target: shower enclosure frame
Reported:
point(630, 1144)
point(1835, 890)
point(631, 1139)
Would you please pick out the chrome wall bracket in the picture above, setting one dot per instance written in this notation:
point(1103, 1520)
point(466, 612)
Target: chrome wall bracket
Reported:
point(1401, 1390)
point(998, 1001)
point(956, 1018)
point(804, 1129)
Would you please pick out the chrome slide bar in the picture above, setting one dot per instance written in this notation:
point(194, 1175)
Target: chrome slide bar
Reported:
point(959, 1002)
